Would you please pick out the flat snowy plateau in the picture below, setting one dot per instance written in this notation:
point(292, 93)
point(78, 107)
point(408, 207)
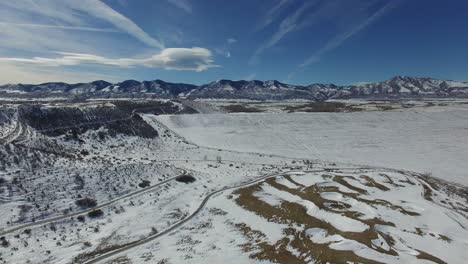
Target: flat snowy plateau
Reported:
point(431, 141)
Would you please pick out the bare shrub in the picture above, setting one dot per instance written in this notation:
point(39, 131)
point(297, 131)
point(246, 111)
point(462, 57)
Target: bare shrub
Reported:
point(86, 202)
point(144, 184)
point(96, 213)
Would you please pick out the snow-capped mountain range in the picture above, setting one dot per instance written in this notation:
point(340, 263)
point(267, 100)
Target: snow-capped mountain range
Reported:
point(396, 87)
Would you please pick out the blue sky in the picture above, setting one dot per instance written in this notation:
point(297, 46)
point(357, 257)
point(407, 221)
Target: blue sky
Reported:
point(294, 41)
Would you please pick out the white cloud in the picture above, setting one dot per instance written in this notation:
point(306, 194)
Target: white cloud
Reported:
point(231, 40)
point(193, 59)
point(182, 4)
point(47, 26)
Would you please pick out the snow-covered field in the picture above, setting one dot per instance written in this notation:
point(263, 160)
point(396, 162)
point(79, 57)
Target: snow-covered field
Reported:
point(434, 142)
point(268, 188)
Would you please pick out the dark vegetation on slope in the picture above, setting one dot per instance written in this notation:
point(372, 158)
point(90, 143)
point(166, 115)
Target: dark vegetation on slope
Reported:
point(96, 213)
point(185, 179)
point(120, 117)
point(86, 202)
point(144, 184)
point(56, 123)
point(237, 108)
point(152, 107)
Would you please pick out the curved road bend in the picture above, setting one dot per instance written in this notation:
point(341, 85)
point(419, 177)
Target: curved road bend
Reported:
point(57, 218)
point(188, 218)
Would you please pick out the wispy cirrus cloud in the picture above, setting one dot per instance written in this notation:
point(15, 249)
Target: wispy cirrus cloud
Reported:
point(191, 59)
point(99, 9)
point(340, 38)
point(364, 20)
point(348, 17)
point(289, 24)
point(68, 15)
point(272, 14)
point(29, 25)
point(225, 49)
point(182, 4)
point(250, 77)
point(14, 73)
point(41, 39)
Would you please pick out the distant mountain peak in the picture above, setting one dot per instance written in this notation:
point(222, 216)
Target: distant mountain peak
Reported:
point(396, 87)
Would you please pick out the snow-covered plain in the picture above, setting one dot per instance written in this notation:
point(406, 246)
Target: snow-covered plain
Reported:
point(434, 142)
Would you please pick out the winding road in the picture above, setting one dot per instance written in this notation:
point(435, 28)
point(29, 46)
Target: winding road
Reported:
point(191, 216)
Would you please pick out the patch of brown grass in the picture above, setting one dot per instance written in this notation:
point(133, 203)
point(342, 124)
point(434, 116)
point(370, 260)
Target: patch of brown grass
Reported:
point(427, 256)
point(293, 214)
point(372, 183)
